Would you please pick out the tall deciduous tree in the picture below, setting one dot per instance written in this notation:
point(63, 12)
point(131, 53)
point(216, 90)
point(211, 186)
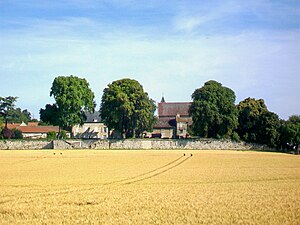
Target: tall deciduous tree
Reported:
point(7, 104)
point(256, 123)
point(73, 98)
point(250, 111)
point(213, 111)
point(290, 132)
point(126, 108)
point(268, 127)
point(17, 116)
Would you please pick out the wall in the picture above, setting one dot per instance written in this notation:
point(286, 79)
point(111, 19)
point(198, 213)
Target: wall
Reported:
point(25, 145)
point(204, 144)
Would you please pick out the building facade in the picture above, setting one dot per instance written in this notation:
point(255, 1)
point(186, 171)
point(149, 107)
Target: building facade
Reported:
point(173, 120)
point(92, 128)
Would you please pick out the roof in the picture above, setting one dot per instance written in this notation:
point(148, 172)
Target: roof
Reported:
point(32, 128)
point(92, 117)
point(172, 109)
point(13, 125)
point(38, 129)
point(187, 120)
point(165, 123)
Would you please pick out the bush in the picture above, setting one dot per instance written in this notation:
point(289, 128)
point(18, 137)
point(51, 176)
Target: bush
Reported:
point(51, 135)
point(17, 134)
point(1, 132)
point(7, 133)
point(235, 137)
point(63, 134)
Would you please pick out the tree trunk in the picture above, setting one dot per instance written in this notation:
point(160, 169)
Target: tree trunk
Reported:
point(6, 122)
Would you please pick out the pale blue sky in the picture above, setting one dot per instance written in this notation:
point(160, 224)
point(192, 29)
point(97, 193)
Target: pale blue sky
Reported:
point(170, 47)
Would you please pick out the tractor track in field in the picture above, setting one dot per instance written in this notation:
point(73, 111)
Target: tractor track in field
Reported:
point(143, 174)
point(156, 174)
point(126, 181)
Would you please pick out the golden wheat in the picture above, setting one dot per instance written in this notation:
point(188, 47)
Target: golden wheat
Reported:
point(149, 187)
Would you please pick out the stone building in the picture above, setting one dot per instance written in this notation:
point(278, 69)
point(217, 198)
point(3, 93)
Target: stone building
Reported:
point(173, 120)
point(92, 128)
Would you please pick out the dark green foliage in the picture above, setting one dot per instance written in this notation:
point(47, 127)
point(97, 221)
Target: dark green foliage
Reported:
point(127, 109)
point(49, 115)
point(51, 135)
point(1, 132)
point(16, 134)
point(213, 111)
point(18, 116)
point(290, 133)
point(267, 131)
point(7, 104)
point(73, 97)
point(63, 134)
point(257, 124)
point(235, 137)
point(250, 111)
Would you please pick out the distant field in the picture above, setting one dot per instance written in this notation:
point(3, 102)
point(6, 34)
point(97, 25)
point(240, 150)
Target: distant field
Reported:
point(149, 187)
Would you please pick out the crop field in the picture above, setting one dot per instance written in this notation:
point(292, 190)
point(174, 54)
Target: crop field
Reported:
point(149, 187)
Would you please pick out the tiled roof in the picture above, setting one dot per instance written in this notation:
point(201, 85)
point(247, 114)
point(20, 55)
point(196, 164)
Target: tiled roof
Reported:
point(166, 109)
point(33, 129)
point(13, 125)
point(165, 123)
point(38, 129)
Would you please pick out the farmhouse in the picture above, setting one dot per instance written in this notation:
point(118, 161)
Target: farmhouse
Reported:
point(33, 130)
point(92, 128)
point(173, 120)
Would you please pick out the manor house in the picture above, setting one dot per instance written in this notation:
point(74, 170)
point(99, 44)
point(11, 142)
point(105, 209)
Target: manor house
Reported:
point(173, 120)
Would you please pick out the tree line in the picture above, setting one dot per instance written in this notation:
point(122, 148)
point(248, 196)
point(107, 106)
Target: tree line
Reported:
point(127, 109)
point(215, 115)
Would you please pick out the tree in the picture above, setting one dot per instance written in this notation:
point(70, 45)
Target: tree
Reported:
point(290, 132)
point(249, 112)
point(49, 115)
point(7, 104)
point(73, 98)
point(256, 123)
point(17, 116)
point(126, 108)
point(213, 111)
point(267, 127)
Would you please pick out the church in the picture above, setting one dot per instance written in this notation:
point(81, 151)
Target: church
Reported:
point(173, 120)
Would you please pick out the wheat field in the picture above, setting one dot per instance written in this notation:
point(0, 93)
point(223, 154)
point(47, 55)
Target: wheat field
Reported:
point(149, 187)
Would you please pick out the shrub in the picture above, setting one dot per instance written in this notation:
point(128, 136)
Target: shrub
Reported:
point(51, 135)
point(63, 134)
point(7, 133)
point(17, 134)
point(1, 132)
point(235, 137)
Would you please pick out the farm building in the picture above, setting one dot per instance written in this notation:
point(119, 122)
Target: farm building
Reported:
point(33, 130)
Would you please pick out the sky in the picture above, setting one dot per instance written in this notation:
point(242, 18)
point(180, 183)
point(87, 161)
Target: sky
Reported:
point(171, 47)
